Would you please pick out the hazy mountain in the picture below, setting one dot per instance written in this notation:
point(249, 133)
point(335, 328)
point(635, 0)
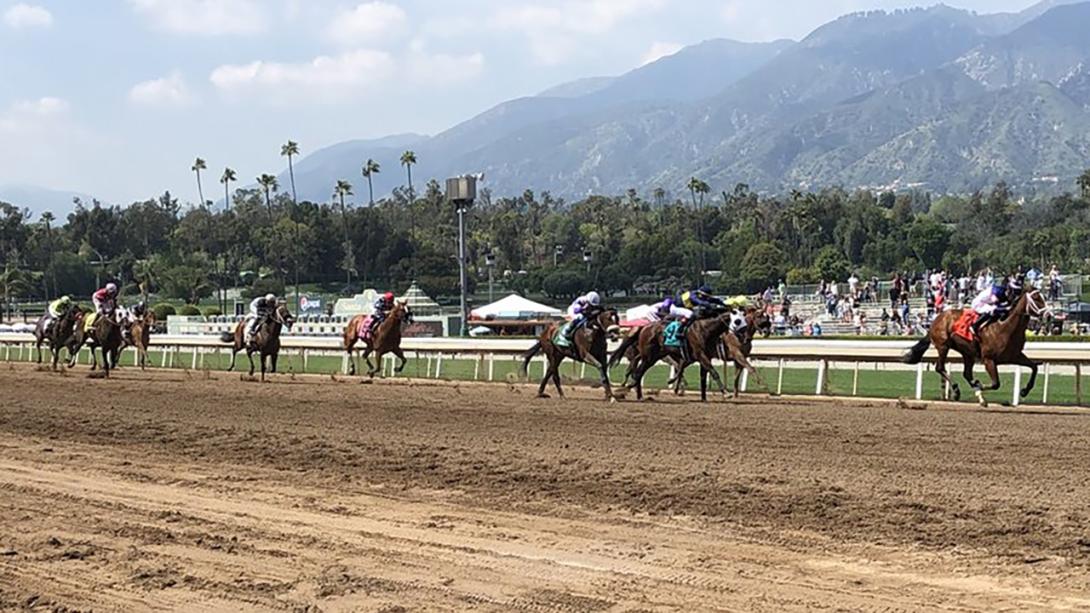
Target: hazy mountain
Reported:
point(939, 96)
point(41, 199)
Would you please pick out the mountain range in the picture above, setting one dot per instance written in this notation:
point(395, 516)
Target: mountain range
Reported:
point(939, 98)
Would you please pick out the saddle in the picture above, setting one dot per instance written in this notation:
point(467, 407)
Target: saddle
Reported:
point(363, 331)
point(88, 321)
point(963, 327)
point(560, 339)
point(674, 334)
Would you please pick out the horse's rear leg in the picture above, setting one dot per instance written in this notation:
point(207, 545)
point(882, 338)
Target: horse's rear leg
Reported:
point(39, 345)
point(372, 369)
point(234, 356)
point(250, 356)
point(551, 373)
point(401, 360)
point(940, 367)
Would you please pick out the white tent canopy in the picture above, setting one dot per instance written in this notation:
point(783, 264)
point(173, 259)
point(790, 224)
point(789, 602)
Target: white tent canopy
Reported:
point(514, 307)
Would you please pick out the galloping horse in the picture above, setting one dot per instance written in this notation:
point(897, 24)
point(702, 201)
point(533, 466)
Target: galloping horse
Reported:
point(59, 335)
point(385, 339)
point(588, 345)
point(139, 336)
point(104, 334)
point(652, 347)
point(266, 339)
point(736, 348)
point(999, 343)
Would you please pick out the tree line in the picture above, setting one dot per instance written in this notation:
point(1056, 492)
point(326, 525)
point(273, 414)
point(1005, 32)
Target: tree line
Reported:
point(265, 240)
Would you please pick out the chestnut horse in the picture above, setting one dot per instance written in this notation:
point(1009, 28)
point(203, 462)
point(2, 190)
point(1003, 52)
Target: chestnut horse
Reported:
point(386, 339)
point(737, 347)
point(1001, 342)
point(266, 340)
point(139, 336)
point(588, 345)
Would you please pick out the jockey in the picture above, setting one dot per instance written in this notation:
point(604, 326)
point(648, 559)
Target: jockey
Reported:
point(105, 299)
point(702, 302)
point(260, 308)
point(667, 310)
point(140, 310)
point(582, 309)
point(56, 310)
point(382, 307)
point(986, 304)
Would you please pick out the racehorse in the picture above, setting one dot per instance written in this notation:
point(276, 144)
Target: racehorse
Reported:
point(588, 345)
point(139, 336)
point(58, 335)
point(385, 339)
point(266, 340)
point(737, 347)
point(651, 346)
point(104, 333)
point(1001, 342)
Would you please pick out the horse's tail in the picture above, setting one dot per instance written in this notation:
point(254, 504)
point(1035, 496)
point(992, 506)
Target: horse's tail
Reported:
point(529, 355)
point(625, 345)
point(915, 354)
point(227, 337)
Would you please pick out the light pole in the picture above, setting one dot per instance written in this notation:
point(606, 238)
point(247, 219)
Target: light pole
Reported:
point(588, 258)
point(558, 251)
point(490, 262)
point(462, 191)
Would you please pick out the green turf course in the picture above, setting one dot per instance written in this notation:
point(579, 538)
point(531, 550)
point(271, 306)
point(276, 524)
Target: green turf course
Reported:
point(796, 381)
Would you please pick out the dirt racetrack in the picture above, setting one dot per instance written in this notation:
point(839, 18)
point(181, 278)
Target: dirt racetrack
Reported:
point(196, 491)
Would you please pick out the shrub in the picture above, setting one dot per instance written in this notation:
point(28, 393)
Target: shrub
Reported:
point(212, 311)
point(162, 310)
point(801, 276)
point(189, 310)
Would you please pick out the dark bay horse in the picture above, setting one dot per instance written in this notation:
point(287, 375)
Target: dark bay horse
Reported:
point(588, 345)
point(1001, 342)
point(58, 334)
point(104, 333)
point(266, 340)
point(701, 338)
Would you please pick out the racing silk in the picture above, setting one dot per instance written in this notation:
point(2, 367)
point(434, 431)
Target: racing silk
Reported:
point(667, 308)
point(381, 306)
point(58, 307)
point(738, 324)
point(985, 302)
point(579, 306)
point(103, 301)
point(693, 299)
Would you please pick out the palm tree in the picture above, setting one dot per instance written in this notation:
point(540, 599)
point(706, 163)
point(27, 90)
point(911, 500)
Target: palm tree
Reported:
point(289, 150)
point(1084, 184)
point(198, 166)
point(696, 186)
point(660, 196)
point(407, 160)
point(47, 220)
point(370, 169)
point(269, 184)
point(342, 189)
point(228, 176)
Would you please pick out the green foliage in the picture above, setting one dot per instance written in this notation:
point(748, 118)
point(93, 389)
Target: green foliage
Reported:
point(763, 265)
point(211, 311)
point(831, 264)
point(189, 310)
point(566, 284)
point(162, 310)
point(802, 276)
point(262, 286)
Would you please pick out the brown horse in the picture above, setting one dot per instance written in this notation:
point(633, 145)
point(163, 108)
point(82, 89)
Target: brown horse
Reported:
point(266, 340)
point(737, 347)
point(588, 345)
point(57, 334)
point(104, 334)
point(999, 343)
point(138, 335)
point(651, 345)
point(385, 339)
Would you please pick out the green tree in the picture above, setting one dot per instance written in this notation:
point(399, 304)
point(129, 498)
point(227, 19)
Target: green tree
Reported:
point(370, 169)
point(226, 179)
point(289, 150)
point(198, 166)
point(831, 264)
point(928, 240)
point(763, 265)
point(269, 184)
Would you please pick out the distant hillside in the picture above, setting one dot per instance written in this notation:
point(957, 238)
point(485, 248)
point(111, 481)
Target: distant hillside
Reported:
point(40, 199)
point(939, 97)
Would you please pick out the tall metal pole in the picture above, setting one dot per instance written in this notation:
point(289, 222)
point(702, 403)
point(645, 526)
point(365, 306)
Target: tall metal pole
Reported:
point(462, 263)
point(490, 298)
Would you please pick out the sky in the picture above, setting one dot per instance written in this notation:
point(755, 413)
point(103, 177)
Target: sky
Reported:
point(115, 98)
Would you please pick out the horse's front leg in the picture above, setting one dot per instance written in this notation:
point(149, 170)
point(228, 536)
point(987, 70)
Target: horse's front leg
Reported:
point(1022, 360)
point(706, 365)
point(401, 360)
point(250, 356)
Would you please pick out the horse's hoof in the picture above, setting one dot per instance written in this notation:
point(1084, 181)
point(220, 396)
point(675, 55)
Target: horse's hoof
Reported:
point(1025, 392)
point(612, 400)
point(542, 395)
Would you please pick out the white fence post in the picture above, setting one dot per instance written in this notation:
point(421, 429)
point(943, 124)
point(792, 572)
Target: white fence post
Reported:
point(823, 367)
point(745, 380)
point(1016, 397)
point(779, 380)
point(919, 381)
point(1044, 392)
point(855, 380)
point(491, 367)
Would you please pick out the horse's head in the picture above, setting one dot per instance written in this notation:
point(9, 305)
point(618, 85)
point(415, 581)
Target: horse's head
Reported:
point(1036, 305)
point(284, 317)
point(609, 322)
point(759, 321)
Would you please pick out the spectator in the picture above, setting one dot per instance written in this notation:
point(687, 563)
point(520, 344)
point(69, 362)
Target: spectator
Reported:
point(1055, 284)
point(853, 285)
point(781, 289)
point(895, 291)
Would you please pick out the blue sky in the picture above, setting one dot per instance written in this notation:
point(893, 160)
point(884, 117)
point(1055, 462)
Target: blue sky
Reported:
point(116, 97)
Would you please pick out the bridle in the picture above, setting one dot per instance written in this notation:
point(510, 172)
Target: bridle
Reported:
point(1032, 306)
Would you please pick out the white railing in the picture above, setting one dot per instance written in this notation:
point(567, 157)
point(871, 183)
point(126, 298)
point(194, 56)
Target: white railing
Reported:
point(809, 353)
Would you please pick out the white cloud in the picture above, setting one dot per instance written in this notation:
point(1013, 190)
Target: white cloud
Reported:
point(28, 16)
point(41, 107)
point(323, 78)
point(30, 115)
point(203, 17)
point(442, 68)
point(168, 91)
point(660, 50)
point(552, 29)
point(367, 22)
